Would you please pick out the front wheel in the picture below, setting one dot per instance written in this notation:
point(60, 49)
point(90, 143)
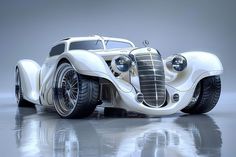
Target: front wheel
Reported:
point(75, 96)
point(205, 97)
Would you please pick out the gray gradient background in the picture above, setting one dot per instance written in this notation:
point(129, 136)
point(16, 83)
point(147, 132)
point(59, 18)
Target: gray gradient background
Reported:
point(29, 28)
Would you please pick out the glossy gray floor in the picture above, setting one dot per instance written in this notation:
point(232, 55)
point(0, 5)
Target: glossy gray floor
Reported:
point(33, 132)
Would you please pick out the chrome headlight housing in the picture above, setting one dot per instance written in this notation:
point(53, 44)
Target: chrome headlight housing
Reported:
point(178, 63)
point(121, 63)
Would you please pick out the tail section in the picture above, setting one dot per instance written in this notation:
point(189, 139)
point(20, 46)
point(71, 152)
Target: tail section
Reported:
point(29, 71)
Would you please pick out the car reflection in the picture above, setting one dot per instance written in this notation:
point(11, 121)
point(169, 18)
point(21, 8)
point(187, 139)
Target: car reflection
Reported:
point(47, 135)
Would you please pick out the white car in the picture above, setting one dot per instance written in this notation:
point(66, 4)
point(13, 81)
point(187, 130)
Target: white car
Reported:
point(82, 73)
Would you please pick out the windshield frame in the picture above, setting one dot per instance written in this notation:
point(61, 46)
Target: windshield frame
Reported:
point(106, 41)
point(103, 40)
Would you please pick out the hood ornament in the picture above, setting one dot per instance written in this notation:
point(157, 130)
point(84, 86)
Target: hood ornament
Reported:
point(146, 43)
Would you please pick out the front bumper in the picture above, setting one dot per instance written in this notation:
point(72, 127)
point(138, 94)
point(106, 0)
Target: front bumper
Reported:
point(128, 102)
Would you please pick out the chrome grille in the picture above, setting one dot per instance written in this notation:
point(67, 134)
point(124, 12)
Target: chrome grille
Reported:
point(151, 78)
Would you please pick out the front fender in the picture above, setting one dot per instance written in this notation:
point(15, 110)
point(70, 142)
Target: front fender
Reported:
point(88, 63)
point(200, 65)
point(91, 64)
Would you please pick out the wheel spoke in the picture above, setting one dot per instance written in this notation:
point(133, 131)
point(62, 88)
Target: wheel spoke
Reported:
point(68, 82)
point(71, 76)
point(74, 89)
point(72, 96)
point(71, 101)
point(75, 83)
point(75, 92)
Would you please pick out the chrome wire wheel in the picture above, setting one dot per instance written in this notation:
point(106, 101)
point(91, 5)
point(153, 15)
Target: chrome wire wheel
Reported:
point(17, 86)
point(74, 95)
point(67, 86)
point(196, 94)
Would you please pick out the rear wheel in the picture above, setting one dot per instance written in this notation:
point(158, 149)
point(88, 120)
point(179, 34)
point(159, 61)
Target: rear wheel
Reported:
point(18, 92)
point(205, 97)
point(75, 96)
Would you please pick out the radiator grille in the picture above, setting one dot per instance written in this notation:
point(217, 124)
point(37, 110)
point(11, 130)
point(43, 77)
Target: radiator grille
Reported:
point(152, 78)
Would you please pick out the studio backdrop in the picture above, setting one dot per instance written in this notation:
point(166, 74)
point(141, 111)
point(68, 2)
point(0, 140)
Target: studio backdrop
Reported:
point(28, 29)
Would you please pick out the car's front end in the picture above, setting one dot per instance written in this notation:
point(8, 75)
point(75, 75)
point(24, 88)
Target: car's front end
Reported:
point(139, 79)
point(140, 82)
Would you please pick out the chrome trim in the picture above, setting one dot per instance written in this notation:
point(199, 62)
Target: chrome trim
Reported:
point(152, 78)
point(138, 95)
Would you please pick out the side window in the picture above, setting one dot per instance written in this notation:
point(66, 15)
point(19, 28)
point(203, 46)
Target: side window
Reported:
point(57, 50)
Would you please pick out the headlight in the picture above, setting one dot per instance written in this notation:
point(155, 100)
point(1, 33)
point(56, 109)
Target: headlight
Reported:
point(179, 63)
point(121, 63)
point(176, 63)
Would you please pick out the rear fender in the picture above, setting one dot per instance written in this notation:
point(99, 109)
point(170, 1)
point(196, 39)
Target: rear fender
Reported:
point(29, 76)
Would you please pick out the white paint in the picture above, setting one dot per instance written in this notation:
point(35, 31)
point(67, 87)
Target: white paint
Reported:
point(92, 63)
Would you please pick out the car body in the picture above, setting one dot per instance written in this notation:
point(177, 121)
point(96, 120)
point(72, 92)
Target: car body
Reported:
point(117, 75)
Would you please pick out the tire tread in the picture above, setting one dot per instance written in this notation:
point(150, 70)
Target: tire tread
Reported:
point(87, 100)
point(209, 96)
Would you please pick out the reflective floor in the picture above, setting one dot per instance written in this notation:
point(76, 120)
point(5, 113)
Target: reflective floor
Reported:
point(39, 132)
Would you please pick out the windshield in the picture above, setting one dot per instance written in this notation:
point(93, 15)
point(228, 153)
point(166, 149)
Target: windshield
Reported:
point(97, 44)
point(112, 44)
point(86, 45)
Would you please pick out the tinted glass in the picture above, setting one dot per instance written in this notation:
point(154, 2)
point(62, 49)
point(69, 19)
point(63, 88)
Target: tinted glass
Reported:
point(57, 50)
point(86, 45)
point(111, 44)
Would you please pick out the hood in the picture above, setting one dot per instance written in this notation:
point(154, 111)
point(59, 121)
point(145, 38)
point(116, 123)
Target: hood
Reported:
point(109, 54)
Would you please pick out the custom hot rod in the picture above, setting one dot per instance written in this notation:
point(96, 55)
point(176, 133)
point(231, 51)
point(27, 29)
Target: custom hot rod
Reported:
point(81, 73)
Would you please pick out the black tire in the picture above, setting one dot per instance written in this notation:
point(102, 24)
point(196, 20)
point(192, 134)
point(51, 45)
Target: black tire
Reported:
point(86, 96)
point(205, 97)
point(21, 102)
